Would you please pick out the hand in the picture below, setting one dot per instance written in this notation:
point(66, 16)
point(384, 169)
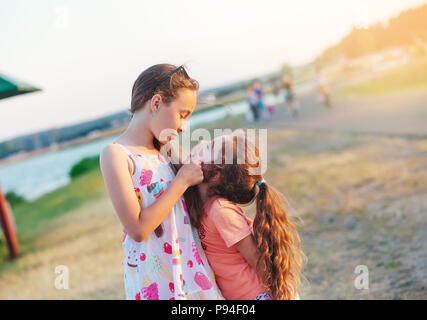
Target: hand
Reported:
point(190, 173)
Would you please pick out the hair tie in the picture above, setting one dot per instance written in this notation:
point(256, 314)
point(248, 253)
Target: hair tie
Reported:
point(259, 183)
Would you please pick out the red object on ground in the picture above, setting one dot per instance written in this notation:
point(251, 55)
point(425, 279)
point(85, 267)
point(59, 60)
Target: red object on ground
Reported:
point(7, 226)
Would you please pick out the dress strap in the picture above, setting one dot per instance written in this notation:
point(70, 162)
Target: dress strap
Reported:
point(131, 156)
point(125, 149)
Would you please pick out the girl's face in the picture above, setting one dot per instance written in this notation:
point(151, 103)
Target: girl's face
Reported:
point(168, 120)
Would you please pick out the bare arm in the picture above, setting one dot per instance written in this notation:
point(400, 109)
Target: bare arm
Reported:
point(140, 223)
point(247, 247)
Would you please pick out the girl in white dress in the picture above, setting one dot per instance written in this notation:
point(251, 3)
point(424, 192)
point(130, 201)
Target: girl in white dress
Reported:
point(163, 256)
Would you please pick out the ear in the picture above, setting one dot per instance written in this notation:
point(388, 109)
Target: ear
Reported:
point(155, 103)
point(216, 177)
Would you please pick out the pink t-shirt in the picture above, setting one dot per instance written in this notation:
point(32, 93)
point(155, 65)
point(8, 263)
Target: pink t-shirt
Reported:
point(222, 227)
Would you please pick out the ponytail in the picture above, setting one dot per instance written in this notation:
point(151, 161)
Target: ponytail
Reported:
point(278, 245)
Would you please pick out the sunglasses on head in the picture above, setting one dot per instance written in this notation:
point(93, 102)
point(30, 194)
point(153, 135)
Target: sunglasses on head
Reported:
point(171, 73)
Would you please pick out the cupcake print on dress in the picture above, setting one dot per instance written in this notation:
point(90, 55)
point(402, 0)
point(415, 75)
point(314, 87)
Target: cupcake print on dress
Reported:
point(156, 188)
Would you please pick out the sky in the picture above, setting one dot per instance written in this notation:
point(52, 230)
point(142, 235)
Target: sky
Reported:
point(85, 55)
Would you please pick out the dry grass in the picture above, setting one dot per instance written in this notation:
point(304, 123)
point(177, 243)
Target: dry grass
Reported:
point(87, 241)
point(363, 200)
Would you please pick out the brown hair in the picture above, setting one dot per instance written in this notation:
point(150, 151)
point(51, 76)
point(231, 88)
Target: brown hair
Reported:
point(155, 80)
point(163, 79)
point(277, 240)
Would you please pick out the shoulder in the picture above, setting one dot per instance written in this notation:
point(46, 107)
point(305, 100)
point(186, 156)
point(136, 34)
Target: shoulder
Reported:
point(224, 203)
point(220, 206)
point(111, 156)
point(229, 221)
point(112, 149)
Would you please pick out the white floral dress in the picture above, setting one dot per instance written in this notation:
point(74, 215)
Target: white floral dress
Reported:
point(172, 266)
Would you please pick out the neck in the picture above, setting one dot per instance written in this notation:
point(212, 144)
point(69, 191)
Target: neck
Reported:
point(138, 133)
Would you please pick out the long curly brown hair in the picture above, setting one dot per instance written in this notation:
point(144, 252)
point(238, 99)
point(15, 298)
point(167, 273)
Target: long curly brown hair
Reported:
point(277, 240)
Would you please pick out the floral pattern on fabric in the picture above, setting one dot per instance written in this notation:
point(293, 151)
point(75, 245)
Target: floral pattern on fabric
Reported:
point(172, 266)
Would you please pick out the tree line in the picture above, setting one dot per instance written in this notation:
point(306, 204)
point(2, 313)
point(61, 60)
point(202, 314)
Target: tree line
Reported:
point(409, 27)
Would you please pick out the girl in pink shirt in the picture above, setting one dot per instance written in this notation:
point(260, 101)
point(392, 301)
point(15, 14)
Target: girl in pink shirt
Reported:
point(259, 260)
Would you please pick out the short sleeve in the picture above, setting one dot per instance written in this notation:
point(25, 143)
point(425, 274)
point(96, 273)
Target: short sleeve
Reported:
point(230, 223)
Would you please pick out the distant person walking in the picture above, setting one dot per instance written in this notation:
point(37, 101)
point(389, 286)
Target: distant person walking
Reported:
point(259, 93)
point(292, 103)
point(322, 87)
point(252, 101)
point(275, 99)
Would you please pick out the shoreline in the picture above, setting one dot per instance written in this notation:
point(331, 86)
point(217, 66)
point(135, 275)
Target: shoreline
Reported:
point(96, 135)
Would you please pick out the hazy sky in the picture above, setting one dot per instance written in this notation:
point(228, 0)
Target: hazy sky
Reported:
point(85, 55)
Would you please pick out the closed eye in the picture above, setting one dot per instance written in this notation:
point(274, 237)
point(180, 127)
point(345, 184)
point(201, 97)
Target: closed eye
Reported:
point(185, 114)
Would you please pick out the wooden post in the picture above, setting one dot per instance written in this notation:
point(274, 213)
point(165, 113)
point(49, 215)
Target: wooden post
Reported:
point(7, 226)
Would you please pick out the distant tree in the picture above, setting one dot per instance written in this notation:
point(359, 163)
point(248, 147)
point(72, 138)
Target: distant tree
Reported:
point(84, 166)
point(14, 199)
point(407, 28)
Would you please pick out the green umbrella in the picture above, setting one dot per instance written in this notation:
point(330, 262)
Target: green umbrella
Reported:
point(11, 87)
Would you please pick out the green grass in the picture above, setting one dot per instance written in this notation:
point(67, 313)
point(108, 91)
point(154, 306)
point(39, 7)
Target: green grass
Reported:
point(14, 199)
point(83, 166)
point(412, 75)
